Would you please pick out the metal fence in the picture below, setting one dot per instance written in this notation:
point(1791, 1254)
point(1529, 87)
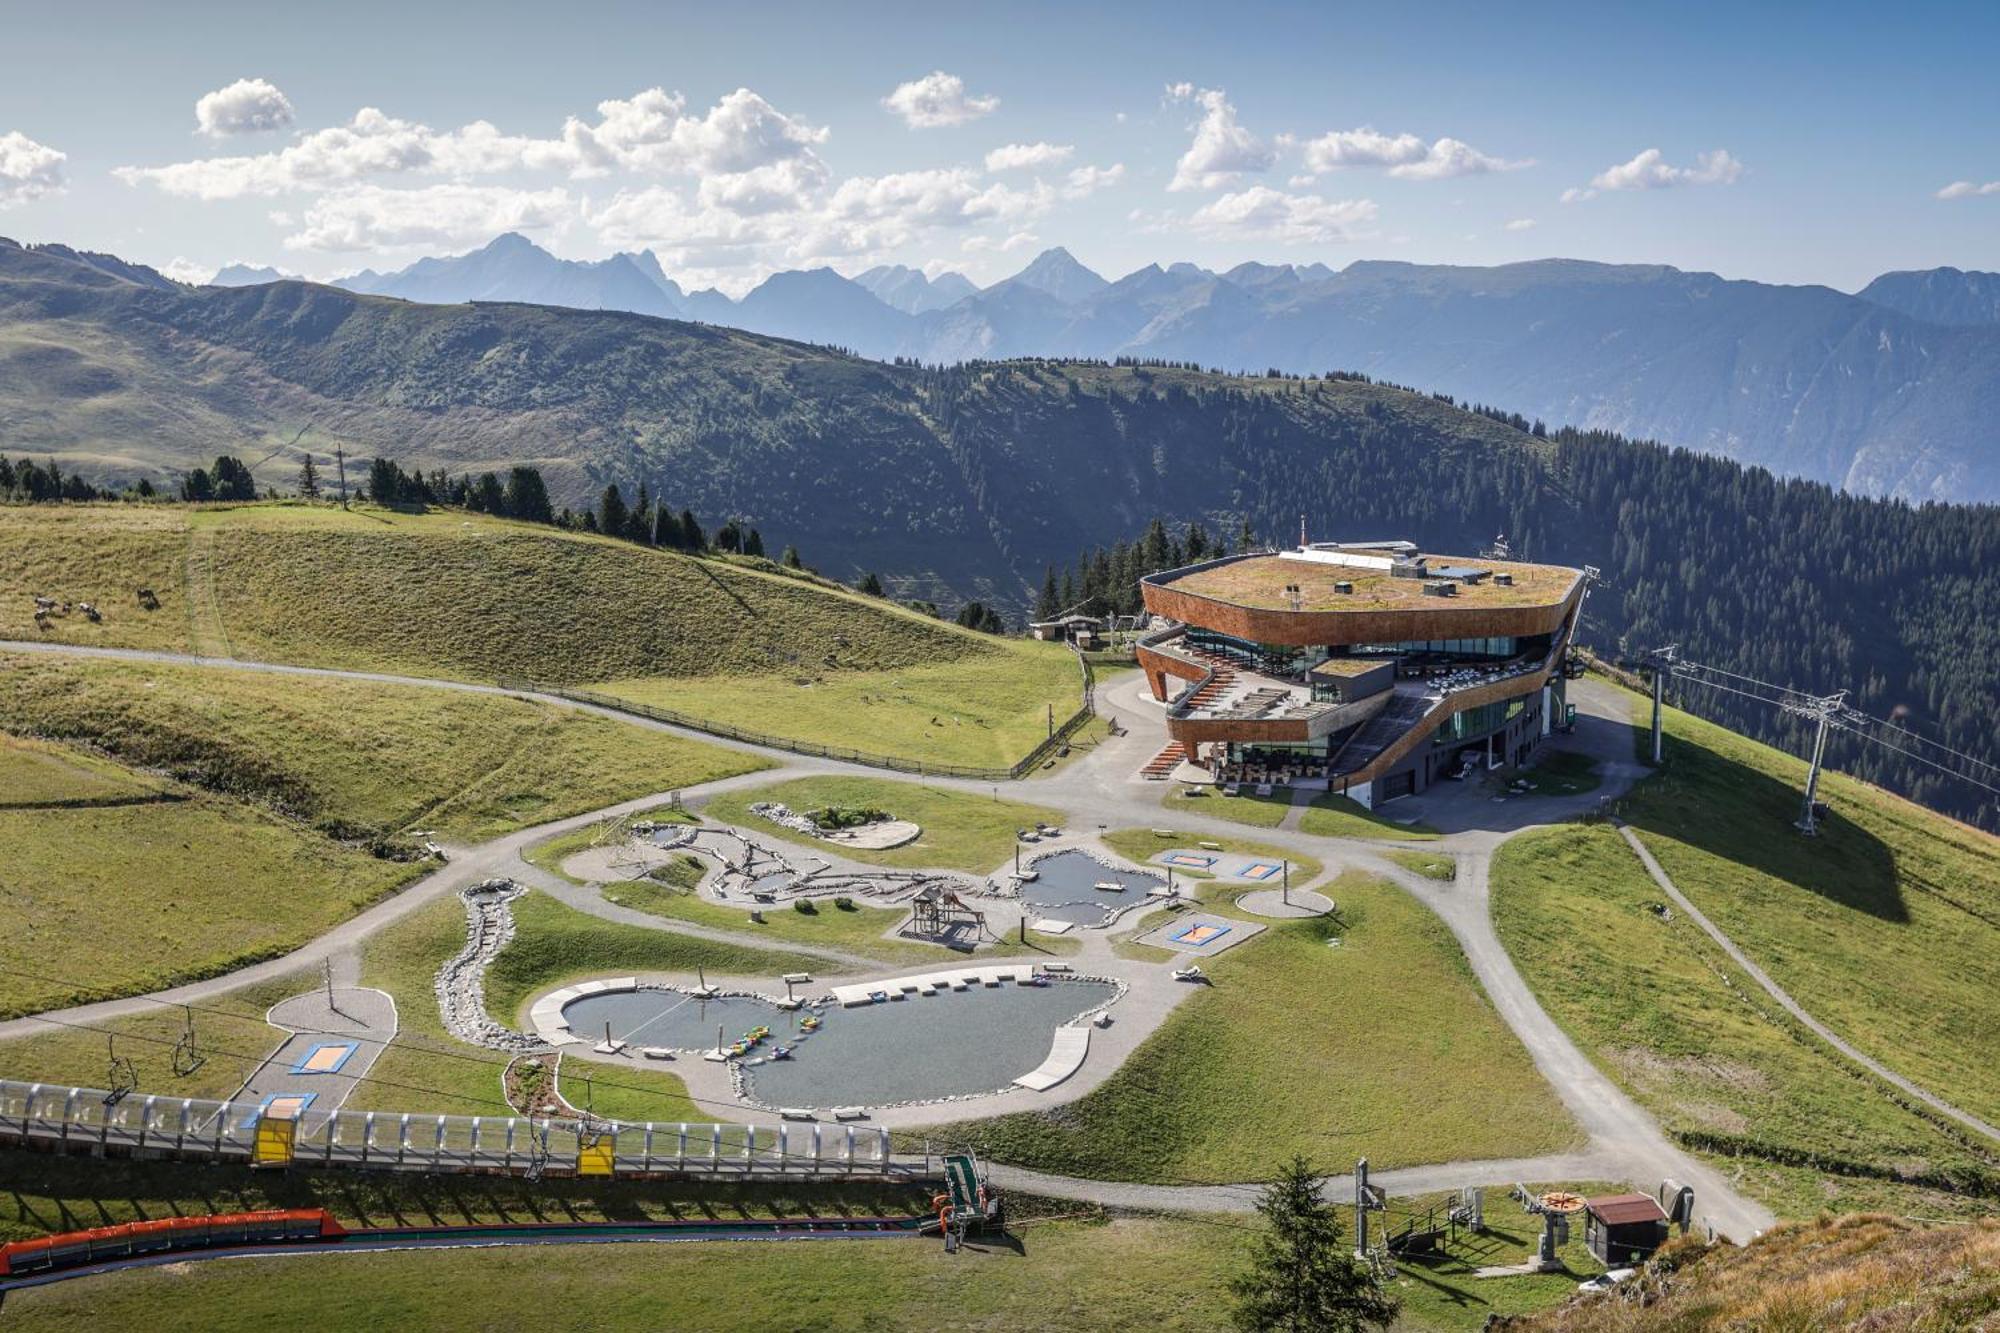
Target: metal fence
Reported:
point(92, 1120)
point(898, 764)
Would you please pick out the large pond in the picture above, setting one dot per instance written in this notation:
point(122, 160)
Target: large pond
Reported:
point(1065, 888)
point(952, 1044)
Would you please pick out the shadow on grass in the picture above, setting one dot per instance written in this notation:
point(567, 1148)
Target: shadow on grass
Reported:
point(1740, 814)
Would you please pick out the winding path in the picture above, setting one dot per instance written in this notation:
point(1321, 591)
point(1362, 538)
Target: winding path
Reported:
point(1793, 1007)
point(1100, 788)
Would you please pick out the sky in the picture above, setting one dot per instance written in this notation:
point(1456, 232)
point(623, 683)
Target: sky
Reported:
point(1784, 143)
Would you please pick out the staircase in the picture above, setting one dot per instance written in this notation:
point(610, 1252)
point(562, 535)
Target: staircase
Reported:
point(1162, 765)
point(1381, 731)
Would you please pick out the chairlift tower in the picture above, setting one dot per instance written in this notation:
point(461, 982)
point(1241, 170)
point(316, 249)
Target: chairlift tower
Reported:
point(1662, 661)
point(1823, 710)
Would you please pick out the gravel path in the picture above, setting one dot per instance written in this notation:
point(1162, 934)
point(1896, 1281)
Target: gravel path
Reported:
point(1793, 1007)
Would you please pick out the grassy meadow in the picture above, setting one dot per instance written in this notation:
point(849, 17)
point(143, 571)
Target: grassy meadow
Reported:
point(1663, 1011)
point(470, 597)
point(354, 759)
point(1383, 1047)
point(961, 831)
point(1884, 927)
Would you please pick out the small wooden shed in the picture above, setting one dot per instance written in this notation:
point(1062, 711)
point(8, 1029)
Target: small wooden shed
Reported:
point(1623, 1229)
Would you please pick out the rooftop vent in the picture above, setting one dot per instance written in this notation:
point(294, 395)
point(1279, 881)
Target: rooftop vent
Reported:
point(1343, 586)
point(1440, 590)
point(1504, 580)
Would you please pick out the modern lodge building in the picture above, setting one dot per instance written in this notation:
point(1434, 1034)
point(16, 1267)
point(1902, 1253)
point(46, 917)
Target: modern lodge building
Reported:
point(1365, 665)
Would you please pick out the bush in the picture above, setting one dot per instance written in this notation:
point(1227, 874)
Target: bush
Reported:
point(804, 907)
point(843, 904)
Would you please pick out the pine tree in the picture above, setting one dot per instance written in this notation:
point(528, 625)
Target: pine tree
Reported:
point(871, 584)
point(308, 480)
point(528, 496)
point(612, 514)
point(1046, 606)
point(1301, 1276)
point(791, 560)
point(197, 487)
point(692, 537)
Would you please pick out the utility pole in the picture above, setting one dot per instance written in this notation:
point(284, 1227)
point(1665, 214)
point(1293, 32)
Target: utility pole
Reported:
point(340, 462)
point(1822, 711)
point(1662, 660)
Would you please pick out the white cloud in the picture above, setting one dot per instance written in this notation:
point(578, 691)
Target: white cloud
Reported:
point(1521, 224)
point(247, 106)
point(1968, 190)
point(1262, 213)
point(1650, 170)
point(650, 133)
point(1027, 156)
point(1019, 240)
point(28, 170)
point(1404, 155)
point(937, 101)
point(182, 269)
point(369, 217)
point(1088, 180)
point(1222, 150)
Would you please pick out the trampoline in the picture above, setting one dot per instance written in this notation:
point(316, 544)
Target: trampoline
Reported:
point(1261, 870)
point(285, 1105)
point(1189, 860)
point(325, 1058)
point(1199, 934)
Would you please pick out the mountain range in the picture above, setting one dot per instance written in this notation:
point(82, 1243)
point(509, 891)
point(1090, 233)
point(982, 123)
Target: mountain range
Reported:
point(969, 480)
point(1891, 391)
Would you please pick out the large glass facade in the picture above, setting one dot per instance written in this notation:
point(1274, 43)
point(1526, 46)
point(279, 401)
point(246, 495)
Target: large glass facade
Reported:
point(1476, 722)
point(1272, 659)
point(1496, 647)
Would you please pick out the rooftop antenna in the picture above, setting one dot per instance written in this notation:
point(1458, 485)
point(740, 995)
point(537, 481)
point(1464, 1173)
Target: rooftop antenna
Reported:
point(1294, 596)
point(1302, 533)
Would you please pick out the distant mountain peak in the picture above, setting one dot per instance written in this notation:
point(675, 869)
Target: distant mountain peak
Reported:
point(1056, 272)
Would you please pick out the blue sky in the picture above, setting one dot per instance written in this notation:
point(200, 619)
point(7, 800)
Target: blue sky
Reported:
point(1789, 144)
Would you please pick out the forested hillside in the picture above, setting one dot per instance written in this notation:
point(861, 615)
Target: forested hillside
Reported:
point(968, 481)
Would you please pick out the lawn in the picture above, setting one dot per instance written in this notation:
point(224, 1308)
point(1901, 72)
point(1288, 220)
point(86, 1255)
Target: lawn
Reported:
point(471, 597)
point(1132, 1272)
point(1438, 866)
point(1885, 927)
point(1663, 1012)
point(356, 759)
point(104, 901)
point(36, 773)
point(1256, 811)
point(230, 1032)
point(1333, 816)
point(1383, 1047)
point(983, 711)
point(961, 831)
point(1554, 773)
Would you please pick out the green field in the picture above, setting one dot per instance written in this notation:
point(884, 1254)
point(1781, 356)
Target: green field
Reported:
point(961, 831)
point(477, 598)
point(1438, 866)
point(1664, 1012)
point(1255, 811)
point(1383, 1047)
point(983, 711)
point(36, 773)
point(115, 900)
point(356, 759)
point(1885, 927)
point(1333, 816)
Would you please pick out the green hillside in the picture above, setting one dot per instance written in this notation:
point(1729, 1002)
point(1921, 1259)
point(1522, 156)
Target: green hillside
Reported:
point(1883, 928)
point(475, 598)
point(177, 822)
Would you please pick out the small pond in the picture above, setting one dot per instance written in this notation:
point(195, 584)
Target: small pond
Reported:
point(1065, 888)
point(921, 1048)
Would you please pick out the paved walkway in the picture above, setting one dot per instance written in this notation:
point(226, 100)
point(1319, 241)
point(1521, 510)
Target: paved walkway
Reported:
point(1102, 789)
point(1793, 1007)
